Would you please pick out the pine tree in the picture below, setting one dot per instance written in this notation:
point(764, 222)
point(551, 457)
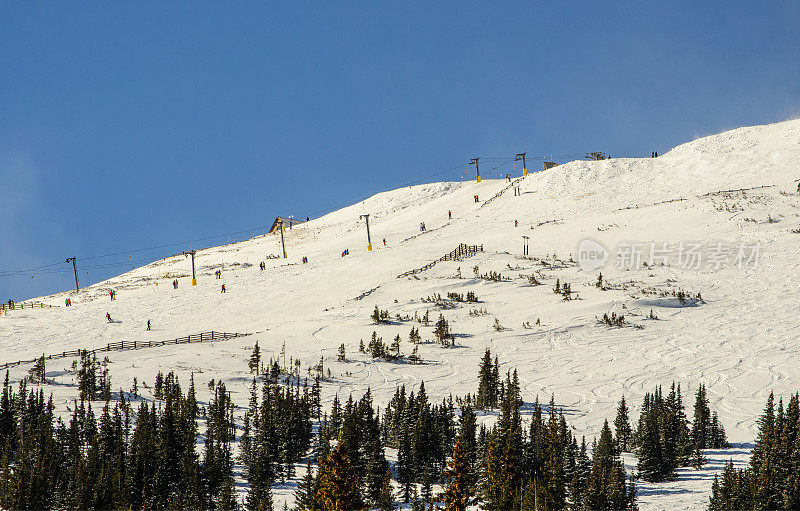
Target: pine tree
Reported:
point(337, 489)
point(607, 488)
point(304, 496)
point(255, 359)
point(485, 397)
point(378, 492)
point(622, 427)
point(459, 480)
point(442, 330)
point(414, 336)
point(649, 448)
point(36, 374)
point(394, 349)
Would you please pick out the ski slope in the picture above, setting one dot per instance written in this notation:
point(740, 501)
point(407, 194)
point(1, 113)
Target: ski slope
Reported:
point(741, 340)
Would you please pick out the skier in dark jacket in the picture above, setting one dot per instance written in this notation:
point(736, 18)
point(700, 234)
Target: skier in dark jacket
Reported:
point(108, 317)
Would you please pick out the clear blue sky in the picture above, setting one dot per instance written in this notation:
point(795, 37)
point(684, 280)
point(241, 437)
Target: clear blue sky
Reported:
point(135, 124)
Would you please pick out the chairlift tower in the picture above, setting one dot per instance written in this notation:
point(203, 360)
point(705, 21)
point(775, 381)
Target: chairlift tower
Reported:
point(521, 156)
point(369, 241)
point(474, 161)
point(75, 271)
point(283, 244)
point(192, 253)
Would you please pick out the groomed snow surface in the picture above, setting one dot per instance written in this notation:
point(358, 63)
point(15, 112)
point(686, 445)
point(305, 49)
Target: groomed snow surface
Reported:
point(741, 340)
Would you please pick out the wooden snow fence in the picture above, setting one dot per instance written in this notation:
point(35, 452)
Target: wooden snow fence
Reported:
point(19, 306)
point(498, 194)
point(134, 345)
point(463, 250)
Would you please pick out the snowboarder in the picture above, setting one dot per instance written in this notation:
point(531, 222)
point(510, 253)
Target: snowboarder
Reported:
point(148, 324)
point(223, 288)
point(108, 317)
point(449, 215)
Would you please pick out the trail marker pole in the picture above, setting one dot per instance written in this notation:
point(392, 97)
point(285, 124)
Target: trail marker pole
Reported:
point(194, 277)
point(75, 271)
point(474, 161)
point(521, 156)
point(369, 241)
point(283, 244)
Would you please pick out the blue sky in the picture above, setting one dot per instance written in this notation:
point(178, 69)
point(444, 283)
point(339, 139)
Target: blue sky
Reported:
point(142, 124)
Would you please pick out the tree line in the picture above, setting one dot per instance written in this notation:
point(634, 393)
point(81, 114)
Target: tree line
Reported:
point(147, 456)
point(771, 480)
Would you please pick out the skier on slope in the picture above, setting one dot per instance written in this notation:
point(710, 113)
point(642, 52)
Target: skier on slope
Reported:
point(148, 324)
point(108, 317)
point(449, 215)
point(223, 288)
point(384, 242)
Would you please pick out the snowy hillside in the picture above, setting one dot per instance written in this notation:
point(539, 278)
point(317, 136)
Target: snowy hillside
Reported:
point(740, 340)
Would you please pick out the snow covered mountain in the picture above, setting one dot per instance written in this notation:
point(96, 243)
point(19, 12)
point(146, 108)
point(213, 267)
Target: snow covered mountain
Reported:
point(733, 197)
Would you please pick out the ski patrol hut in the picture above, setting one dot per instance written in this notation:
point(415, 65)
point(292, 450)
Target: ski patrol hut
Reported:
point(287, 223)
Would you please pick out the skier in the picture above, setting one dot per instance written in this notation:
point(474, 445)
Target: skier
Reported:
point(148, 324)
point(421, 227)
point(108, 317)
point(263, 265)
point(66, 302)
point(515, 222)
point(175, 284)
point(384, 239)
point(111, 294)
point(223, 288)
point(798, 187)
point(449, 215)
